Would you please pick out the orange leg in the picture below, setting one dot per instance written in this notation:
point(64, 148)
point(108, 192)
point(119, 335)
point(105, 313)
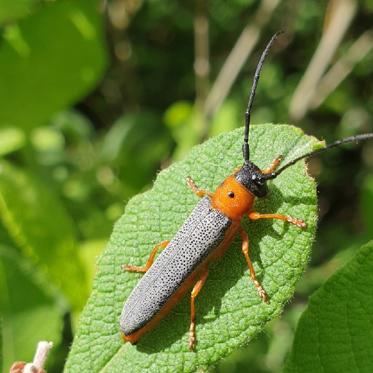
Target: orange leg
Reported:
point(273, 166)
point(245, 249)
point(298, 222)
point(196, 289)
point(198, 192)
point(150, 261)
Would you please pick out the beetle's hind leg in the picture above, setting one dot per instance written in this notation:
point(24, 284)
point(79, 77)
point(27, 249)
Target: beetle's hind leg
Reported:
point(198, 192)
point(150, 260)
point(245, 250)
point(273, 166)
point(196, 289)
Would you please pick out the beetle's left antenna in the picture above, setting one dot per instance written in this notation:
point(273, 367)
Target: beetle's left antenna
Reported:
point(245, 146)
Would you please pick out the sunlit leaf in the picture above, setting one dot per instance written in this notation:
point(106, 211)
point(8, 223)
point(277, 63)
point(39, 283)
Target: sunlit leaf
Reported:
point(49, 60)
point(229, 310)
point(11, 139)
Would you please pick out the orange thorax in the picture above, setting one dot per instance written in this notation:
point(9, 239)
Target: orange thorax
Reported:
point(232, 199)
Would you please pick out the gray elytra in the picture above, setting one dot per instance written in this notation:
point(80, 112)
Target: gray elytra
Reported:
point(201, 233)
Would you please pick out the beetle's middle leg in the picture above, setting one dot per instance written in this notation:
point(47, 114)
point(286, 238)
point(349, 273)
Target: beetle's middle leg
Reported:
point(150, 260)
point(298, 222)
point(198, 192)
point(245, 250)
point(196, 289)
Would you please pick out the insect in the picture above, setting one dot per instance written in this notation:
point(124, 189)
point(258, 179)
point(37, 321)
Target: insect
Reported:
point(205, 236)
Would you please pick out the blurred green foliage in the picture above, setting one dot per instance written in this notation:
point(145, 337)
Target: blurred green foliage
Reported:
point(335, 332)
point(98, 96)
point(30, 309)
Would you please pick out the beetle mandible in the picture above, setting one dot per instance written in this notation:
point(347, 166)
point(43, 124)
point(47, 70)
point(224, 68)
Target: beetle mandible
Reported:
point(205, 236)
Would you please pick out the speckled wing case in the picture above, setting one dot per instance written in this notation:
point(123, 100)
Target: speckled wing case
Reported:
point(202, 232)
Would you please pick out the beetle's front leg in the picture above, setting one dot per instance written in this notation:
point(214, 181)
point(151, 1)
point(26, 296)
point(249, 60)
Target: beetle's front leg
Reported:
point(273, 166)
point(245, 250)
point(298, 222)
point(196, 289)
point(150, 260)
point(198, 192)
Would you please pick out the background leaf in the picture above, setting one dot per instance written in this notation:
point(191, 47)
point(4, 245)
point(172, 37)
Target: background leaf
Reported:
point(136, 134)
point(11, 10)
point(29, 309)
point(229, 310)
point(49, 60)
point(367, 203)
point(335, 332)
point(49, 240)
point(11, 139)
point(1, 340)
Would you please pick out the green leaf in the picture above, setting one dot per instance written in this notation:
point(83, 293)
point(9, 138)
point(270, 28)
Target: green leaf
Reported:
point(28, 308)
point(49, 60)
point(366, 203)
point(89, 251)
point(1, 342)
point(229, 310)
point(75, 126)
point(11, 139)
point(41, 227)
point(335, 332)
point(226, 118)
point(129, 137)
point(11, 10)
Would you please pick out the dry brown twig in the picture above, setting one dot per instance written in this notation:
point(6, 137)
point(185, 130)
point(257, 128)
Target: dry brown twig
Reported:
point(238, 56)
point(201, 48)
point(201, 61)
point(339, 19)
point(340, 70)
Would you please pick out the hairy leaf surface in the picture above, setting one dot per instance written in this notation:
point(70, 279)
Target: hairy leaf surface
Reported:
point(229, 310)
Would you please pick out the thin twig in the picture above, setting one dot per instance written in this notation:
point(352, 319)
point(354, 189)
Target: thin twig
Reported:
point(338, 23)
point(201, 48)
point(342, 68)
point(237, 57)
point(37, 365)
point(201, 62)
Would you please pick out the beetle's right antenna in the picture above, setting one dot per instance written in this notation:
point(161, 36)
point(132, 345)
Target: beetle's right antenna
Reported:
point(245, 146)
point(346, 140)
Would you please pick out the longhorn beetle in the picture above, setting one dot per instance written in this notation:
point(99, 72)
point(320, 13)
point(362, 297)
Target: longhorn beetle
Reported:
point(205, 236)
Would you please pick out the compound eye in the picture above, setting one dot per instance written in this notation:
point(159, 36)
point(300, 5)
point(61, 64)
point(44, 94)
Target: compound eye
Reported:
point(231, 194)
point(257, 179)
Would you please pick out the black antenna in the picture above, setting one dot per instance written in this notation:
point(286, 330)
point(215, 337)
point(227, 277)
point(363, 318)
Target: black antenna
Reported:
point(245, 146)
point(346, 140)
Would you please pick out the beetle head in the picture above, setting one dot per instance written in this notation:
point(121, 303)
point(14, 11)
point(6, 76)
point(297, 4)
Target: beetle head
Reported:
point(252, 178)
